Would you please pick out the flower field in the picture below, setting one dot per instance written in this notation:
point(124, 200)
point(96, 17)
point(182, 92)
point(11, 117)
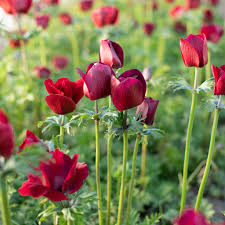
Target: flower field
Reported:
point(112, 112)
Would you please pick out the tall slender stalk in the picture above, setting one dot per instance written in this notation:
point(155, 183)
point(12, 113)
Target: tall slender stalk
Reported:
point(208, 67)
point(61, 134)
point(97, 165)
point(55, 219)
point(109, 171)
point(210, 156)
point(122, 188)
point(144, 155)
point(129, 204)
point(6, 220)
point(188, 141)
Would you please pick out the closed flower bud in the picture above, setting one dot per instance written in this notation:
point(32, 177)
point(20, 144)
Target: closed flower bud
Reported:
point(147, 110)
point(177, 11)
point(155, 5)
point(169, 1)
point(219, 76)
point(16, 6)
point(111, 54)
point(58, 177)
point(212, 32)
point(51, 2)
point(16, 43)
point(214, 2)
point(194, 50)
point(208, 16)
point(30, 139)
point(128, 90)
point(63, 95)
point(193, 4)
point(96, 80)
point(180, 27)
point(191, 217)
point(65, 18)
point(86, 5)
point(104, 16)
point(149, 28)
point(42, 21)
point(42, 72)
point(6, 136)
point(60, 62)
point(147, 73)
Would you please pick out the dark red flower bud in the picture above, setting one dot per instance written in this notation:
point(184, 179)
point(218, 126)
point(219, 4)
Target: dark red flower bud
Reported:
point(193, 4)
point(212, 32)
point(194, 50)
point(16, 43)
point(149, 28)
point(60, 62)
point(111, 54)
point(59, 176)
point(219, 76)
point(42, 72)
point(6, 136)
point(16, 6)
point(30, 139)
point(177, 11)
point(214, 2)
point(128, 90)
point(63, 95)
point(208, 16)
point(51, 2)
point(191, 217)
point(180, 27)
point(147, 110)
point(96, 80)
point(154, 5)
point(104, 16)
point(42, 21)
point(65, 18)
point(86, 5)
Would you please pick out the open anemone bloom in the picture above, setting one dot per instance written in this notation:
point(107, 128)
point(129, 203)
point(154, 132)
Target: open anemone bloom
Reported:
point(128, 90)
point(149, 28)
point(219, 76)
point(42, 21)
point(147, 110)
point(193, 4)
point(65, 18)
point(111, 54)
point(30, 139)
point(212, 32)
point(63, 95)
point(60, 62)
point(194, 50)
point(86, 5)
point(104, 16)
point(58, 177)
point(191, 217)
point(177, 11)
point(6, 136)
point(97, 80)
point(42, 72)
point(208, 16)
point(16, 6)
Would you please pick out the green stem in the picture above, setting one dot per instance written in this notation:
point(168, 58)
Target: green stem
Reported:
point(97, 164)
point(55, 219)
point(208, 67)
point(209, 159)
point(144, 155)
point(132, 178)
point(188, 140)
point(4, 202)
point(61, 134)
point(123, 179)
point(109, 171)
point(68, 221)
point(43, 52)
